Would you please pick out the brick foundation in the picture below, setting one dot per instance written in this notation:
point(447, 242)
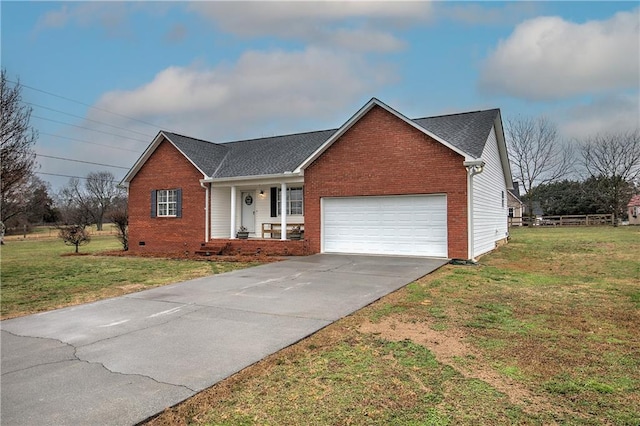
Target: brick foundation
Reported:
point(262, 247)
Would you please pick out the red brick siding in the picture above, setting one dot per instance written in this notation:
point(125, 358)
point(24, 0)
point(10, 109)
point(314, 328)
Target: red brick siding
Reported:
point(265, 247)
point(167, 168)
point(382, 155)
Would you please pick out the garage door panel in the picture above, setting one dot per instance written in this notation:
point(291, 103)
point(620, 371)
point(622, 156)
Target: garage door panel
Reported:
point(402, 225)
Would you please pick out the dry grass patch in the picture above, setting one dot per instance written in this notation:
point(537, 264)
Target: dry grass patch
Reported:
point(542, 331)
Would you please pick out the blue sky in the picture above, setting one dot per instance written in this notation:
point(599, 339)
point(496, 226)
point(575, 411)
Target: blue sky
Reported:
point(224, 71)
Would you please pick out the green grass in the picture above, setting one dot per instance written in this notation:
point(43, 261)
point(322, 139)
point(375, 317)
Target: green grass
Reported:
point(550, 328)
point(40, 274)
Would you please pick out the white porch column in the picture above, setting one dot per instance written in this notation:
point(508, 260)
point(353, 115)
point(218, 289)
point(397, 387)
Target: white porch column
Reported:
point(283, 211)
point(232, 227)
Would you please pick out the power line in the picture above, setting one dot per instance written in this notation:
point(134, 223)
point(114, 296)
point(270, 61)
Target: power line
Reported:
point(76, 177)
point(155, 126)
point(88, 119)
point(82, 161)
point(88, 128)
point(91, 143)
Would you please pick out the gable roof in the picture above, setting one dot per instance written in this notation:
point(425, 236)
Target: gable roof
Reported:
point(361, 113)
point(273, 155)
point(512, 194)
point(464, 133)
point(467, 131)
point(206, 156)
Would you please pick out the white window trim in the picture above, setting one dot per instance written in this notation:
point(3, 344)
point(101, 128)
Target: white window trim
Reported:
point(290, 201)
point(161, 205)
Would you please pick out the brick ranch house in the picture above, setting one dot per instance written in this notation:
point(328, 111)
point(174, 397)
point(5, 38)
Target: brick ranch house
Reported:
point(380, 184)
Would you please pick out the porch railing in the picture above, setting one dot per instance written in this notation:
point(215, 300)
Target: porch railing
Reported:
point(274, 230)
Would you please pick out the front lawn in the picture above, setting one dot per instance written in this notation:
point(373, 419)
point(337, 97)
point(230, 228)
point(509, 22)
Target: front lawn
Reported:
point(543, 331)
point(42, 274)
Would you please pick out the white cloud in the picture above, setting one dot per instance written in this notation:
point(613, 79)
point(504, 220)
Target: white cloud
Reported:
point(550, 58)
point(54, 19)
point(272, 91)
point(487, 13)
point(603, 115)
point(356, 26)
point(111, 16)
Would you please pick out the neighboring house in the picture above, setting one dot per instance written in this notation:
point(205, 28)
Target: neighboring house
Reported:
point(516, 208)
point(633, 208)
point(380, 184)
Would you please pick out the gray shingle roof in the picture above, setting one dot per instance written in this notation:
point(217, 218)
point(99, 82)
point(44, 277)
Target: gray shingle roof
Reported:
point(272, 155)
point(207, 156)
point(280, 154)
point(467, 131)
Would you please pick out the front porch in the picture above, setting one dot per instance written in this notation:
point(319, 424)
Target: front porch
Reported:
point(253, 246)
point(257, 208)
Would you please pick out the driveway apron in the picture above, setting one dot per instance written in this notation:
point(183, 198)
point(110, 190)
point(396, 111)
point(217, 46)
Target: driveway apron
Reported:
point(119, 361)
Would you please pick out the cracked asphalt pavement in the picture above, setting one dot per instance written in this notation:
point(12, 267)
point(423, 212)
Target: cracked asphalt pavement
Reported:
point(120, 361)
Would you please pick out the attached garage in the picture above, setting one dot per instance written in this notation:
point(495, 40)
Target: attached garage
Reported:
point(408, 225)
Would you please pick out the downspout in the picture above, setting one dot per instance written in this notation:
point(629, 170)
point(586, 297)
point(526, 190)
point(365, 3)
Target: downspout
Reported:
point(474, 167)
point(206, 210)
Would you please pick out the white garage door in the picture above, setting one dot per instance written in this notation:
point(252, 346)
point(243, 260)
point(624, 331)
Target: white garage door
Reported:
point(397, 225)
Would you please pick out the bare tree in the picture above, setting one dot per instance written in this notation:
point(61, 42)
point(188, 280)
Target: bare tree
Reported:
point(17, 158)
point(103, 190)
point(613, 159)
point(74, 235)
point(535, 153)
point(95, 198)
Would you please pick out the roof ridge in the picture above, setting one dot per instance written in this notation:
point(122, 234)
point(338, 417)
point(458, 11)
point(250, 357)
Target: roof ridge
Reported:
point(277, 136)
point(189, 137)
point(317, 131)
point(457, 113)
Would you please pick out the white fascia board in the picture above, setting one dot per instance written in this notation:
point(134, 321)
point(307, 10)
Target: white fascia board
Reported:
point(186, 156)
point(256, 179)
point(147, 154)
point(143, 158)
point(502, 148)
point(425, 131)
point(357, 116)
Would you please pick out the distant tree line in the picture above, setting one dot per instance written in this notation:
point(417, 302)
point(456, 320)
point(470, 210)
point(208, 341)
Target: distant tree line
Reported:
point(580, 197)
point(599, 174)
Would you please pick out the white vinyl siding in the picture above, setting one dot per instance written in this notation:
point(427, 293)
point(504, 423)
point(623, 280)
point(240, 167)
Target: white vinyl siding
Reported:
point(220, 208)
point(220, 212)
point(490, 209)
point(391, 225)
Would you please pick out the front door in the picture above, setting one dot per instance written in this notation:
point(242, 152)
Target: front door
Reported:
point(249, 211)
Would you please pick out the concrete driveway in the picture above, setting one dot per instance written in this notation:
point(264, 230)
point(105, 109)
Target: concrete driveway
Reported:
point(122, 360)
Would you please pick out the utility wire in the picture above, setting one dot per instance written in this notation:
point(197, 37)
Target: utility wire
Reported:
point(81, 161)
point(91, 143)
point(88, 119)
point(76, 177)
point(155, 126)
point(88, 128)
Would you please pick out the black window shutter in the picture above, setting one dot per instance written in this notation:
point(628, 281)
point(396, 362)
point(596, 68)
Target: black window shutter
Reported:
point(274, 201)
point(154, 203)
point(178, 202)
